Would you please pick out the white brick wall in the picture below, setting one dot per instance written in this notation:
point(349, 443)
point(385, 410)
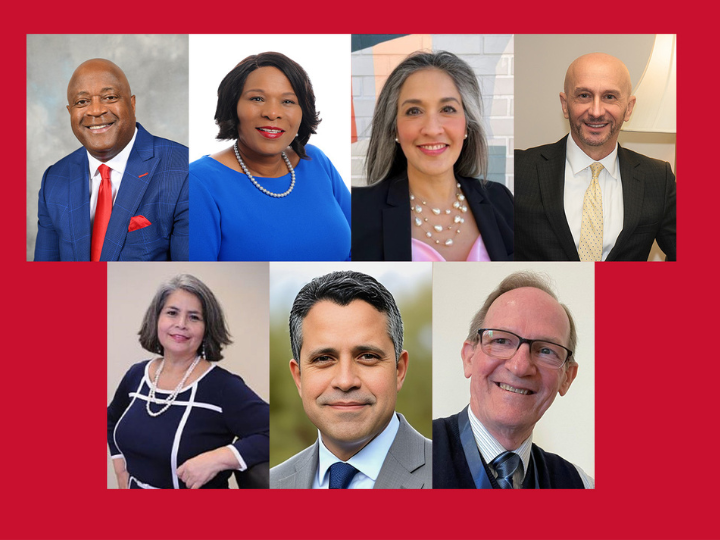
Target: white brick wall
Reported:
point(491, 57)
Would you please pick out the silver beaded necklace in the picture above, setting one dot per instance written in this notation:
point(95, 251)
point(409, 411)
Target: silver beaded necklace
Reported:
point(255, 183)
point(421, 220)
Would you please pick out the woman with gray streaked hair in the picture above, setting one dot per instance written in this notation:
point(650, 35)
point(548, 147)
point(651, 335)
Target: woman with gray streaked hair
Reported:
point(425, 200)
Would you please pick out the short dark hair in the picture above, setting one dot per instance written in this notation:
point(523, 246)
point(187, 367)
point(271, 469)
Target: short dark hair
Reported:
point(216, 332)
point(514, 281)
point(342, 288)
point(232, 86)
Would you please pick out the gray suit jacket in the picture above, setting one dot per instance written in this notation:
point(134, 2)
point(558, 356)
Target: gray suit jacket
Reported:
point(408, 464)
point(541, 229)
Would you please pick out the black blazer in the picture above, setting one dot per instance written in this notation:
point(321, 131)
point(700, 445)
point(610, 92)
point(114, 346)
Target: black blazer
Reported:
point(541, 229)
point(381, 219)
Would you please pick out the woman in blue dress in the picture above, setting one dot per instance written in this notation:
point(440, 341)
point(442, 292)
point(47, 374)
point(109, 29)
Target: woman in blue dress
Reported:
point(180, 421)
point(270, 196)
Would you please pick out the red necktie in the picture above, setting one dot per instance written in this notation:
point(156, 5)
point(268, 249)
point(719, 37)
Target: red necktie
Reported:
point(102, 213)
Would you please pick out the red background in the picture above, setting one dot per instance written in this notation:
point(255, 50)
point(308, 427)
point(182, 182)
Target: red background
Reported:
point(656, 396)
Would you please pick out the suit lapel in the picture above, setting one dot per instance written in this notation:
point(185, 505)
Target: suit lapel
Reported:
point(305, 469)
point(551, 175)
point(79, 205)
point(633, 191)
point(484, 215)
point(138, 175)
point(406, 455)
point(396, 226)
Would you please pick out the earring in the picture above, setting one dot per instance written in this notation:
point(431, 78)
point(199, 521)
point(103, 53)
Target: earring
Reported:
point(466, 135)
point(396, 140)
point(202, 350)
point(297, 134)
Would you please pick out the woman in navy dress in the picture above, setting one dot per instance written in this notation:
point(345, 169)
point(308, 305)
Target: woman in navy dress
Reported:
point(180, 421)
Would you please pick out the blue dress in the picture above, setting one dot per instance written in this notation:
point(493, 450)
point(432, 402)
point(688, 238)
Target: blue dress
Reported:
point(217, 410)
point(232, 220)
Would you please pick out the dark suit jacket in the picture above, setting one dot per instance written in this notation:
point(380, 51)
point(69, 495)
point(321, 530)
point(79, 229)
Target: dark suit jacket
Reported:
point(451, 470)
point(381, 219)
point(155, 185)
point(541, 229)
point(408, 464)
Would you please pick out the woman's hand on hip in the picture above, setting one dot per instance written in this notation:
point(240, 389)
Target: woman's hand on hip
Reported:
point(198, 471)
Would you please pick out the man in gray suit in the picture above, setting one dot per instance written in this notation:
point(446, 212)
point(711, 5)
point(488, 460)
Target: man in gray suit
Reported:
point(585, 197)
point(346, 335)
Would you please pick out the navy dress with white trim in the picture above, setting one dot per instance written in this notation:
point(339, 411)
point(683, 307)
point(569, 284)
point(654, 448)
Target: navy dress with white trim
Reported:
point(217, 410)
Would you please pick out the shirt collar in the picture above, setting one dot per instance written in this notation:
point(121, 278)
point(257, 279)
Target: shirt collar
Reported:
point(490, 448)
point(580, 161)
point(118, 163)
point(369, 460)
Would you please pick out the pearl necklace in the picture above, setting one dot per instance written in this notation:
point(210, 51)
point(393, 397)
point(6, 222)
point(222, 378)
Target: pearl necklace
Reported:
point(459, 205)
point(255, 183)
point(173, 396)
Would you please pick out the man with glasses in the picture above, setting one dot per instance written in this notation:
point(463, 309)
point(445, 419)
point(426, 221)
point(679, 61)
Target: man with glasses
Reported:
point(518, 357)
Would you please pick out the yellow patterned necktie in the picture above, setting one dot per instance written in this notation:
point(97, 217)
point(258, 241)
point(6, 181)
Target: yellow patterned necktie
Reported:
point(591, 232)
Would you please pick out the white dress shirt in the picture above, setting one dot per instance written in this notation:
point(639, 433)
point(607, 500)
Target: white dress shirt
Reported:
point(367, 461)
point(117, 169)
point(490, 449)
point(577, 179)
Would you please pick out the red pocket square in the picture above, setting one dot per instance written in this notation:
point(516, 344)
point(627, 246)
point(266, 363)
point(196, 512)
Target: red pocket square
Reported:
point(138, 222)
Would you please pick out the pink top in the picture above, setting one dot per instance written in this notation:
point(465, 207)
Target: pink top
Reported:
point(423, 252)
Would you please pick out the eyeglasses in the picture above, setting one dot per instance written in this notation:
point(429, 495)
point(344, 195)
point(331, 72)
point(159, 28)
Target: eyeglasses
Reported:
point(503, 345)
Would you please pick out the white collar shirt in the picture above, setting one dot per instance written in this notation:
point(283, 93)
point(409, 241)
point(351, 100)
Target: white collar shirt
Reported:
point(367, 461)
point(117, 169)
point(577, 179)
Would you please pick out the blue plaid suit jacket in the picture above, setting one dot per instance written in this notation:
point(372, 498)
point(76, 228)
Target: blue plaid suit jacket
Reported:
point(155, 185)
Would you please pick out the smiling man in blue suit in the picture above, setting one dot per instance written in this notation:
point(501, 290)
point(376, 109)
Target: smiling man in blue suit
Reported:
point(124, 195)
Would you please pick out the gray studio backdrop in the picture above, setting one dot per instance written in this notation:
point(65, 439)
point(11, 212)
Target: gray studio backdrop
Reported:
point(156, 67)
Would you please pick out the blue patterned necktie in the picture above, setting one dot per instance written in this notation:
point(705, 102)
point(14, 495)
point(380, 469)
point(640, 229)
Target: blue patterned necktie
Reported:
point(505, 465)
point(341, 474)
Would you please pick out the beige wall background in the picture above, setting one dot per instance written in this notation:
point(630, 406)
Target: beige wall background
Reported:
point(242, 290)
point(459, 290)
point(540, 65)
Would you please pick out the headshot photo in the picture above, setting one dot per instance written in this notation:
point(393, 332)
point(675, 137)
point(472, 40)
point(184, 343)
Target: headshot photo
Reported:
point(513, 376)
point(270, 163)
point(107, 155)
point(595, 147)
point(432, 140)
point(350, 376)
point(187, 385)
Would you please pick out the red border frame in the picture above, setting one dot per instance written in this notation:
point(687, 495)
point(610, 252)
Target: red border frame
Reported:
point(654, 404)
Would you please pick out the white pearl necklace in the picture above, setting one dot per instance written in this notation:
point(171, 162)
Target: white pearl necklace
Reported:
point(459, 205)
point(173, 396)
point(255, 183)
